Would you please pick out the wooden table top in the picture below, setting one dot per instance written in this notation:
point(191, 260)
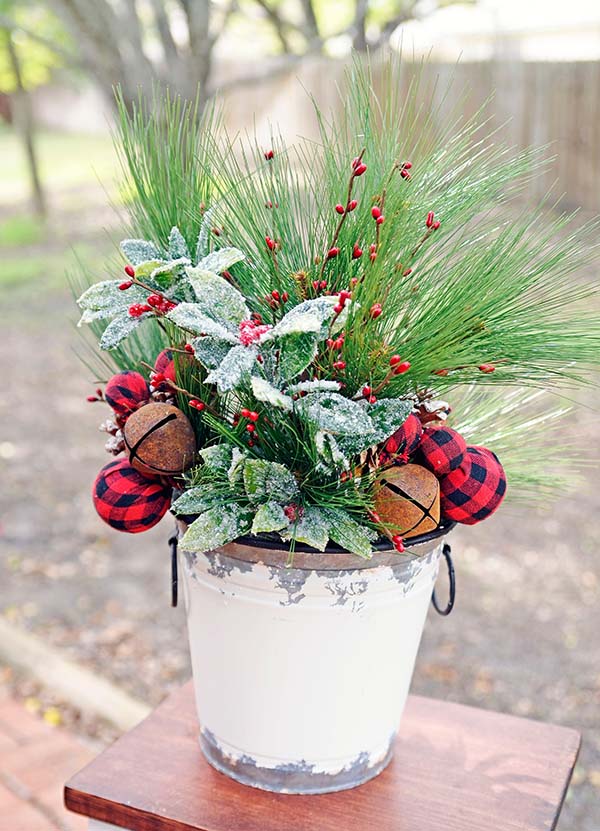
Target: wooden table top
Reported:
point(455, 768)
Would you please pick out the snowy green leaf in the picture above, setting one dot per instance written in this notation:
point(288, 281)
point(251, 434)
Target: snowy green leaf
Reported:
point(217, 457)
point(194, 501)
point(335, 414)
point(269, 480)
point(330, 451)
point(210, 351)
point(105, 299)
point(235, 474)
point(264, 391)
point(238, 363)
point(219, 261)
point(269, 517)
point(309, 316)
point(349, 534)
point(165, 274)
point(191, 317)
point(139, 251)
point(387, 415)
point(218, 298)
point(312, 529)
point(314, 386)
point(215, 527)
point(296, 352)
point(119, 329)
point(177, 245)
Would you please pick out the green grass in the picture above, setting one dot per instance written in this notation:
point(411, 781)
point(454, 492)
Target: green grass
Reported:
point(22, 229)
point(66, 160)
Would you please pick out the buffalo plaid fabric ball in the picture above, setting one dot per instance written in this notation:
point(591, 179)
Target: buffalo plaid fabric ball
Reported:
point(126, 391)
point(405, 440)
point(165, 365)
point(475, 489)
point(128, 501)
point(442, 450)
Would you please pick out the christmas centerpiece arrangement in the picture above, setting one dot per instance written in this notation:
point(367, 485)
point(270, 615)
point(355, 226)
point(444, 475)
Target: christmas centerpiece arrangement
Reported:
point(321, 353)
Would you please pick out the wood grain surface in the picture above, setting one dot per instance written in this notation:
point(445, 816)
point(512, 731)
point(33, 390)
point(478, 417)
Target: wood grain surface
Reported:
point(455, 768)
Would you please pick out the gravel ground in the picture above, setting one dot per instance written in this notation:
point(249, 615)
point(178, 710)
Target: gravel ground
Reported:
point(522, 639)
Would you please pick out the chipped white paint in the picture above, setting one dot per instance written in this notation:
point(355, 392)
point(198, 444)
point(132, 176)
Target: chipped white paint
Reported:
point(301, 675)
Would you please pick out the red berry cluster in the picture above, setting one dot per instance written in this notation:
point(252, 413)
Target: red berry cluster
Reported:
point(293, 512)
point(138, 309)
point(404, 170)
point(398, 543)
point(160, 303)
point(342, 297)
point(399, 367)
point(432, 222)
point(319, 285)
point(277, 299)
point(271, 244)
point(197, 405)
point(358, 166)
point(377, 215)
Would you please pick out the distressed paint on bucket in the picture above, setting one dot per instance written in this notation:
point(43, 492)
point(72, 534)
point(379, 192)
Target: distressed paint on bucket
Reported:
point(301, 674)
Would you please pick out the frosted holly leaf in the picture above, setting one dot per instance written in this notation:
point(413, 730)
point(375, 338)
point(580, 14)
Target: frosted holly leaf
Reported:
point(219, 261)
point(232, 370)
point(210, 351)
point(218, 298)
point(215, 527)
point(269, 480)
point(105, 299)
point(312, 528)
point(165, 274)
point(191, 317)
point(387, 415)
point(193, 501)
point(235, 474)
point(217, 457)
point(328, 448)
point(119, 329)
point(296, 352)
point(264, 391)
point(314, 386)
point(335, 414)
point(349, 534)
point(269, 517)
point(144, 270)
point(309, 316)
point(203, 234)
point(177, 245)
point(139, 251)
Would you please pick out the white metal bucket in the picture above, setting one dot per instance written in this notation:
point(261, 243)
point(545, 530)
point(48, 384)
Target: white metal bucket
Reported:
point(301, 674)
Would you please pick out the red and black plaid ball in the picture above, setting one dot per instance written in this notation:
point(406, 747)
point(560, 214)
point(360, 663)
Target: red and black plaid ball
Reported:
point(442, 449)
point(165, 365)
point(403, 443)
point(475, 489)
point(126, 391)
point(128, 501)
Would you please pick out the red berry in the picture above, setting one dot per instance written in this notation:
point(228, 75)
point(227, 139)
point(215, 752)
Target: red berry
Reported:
point(269, 155)
point(251, 443)
point(245, 413)
point(406, 165)
point(360, 169)
point(154, 300)
point(126, 285)
point(376, 310)
point(253, 415)
point(395, 359)
point(354, 281)
point(487, 368)
point(315, 285)
point(400, 369)
point(129, 271)
point(407, 272)
point(380, 220)
point(375, 212)
point(323, 285)
point(91, 398)
point(351, 205)
point(333, 252)
point(398, 543)
point(285, 297)
point(189, 348)
point(338, 344)
point(405, 174)
point(250, 428)
point(441, 372)
point(338, 308)
point(275, 294)
point(340, 209)
point(366, 390)
point(270, 243)
point(339, 364)
point(372, 399)
point(436, 225)
point(429, 220)
point(356, 251)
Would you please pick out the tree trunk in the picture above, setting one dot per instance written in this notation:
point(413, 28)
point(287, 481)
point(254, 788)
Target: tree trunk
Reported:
point(23, 120)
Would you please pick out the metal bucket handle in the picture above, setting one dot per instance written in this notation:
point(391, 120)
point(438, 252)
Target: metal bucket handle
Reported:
point(173, 542)
point(447, 552)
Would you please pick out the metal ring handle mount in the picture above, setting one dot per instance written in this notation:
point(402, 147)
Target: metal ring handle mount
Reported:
point(447, 552)
point(174, 575)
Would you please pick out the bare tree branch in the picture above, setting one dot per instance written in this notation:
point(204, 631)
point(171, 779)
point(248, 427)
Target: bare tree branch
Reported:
point(277, 22)
point(68, 57)
point(164, 29)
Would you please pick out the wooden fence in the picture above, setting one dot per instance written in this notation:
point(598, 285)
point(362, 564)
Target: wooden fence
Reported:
point(556, 104)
